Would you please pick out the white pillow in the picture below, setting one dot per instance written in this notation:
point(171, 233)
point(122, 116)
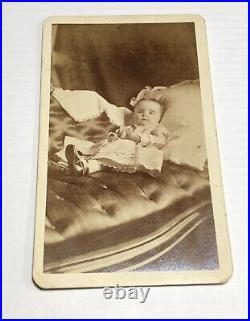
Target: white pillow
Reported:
point(183, 118)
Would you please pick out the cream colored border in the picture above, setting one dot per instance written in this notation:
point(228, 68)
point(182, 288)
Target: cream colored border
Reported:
point(79, 280)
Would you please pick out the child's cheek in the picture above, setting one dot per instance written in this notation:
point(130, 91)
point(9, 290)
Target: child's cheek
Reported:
point(136, 118)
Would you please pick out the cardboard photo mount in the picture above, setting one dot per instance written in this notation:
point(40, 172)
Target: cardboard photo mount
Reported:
point(101, 279)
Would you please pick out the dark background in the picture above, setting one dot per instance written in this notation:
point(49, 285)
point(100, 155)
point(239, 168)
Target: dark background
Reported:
point(118, 60)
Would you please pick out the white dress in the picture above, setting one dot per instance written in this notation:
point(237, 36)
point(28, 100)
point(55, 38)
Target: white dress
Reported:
point(126, 155)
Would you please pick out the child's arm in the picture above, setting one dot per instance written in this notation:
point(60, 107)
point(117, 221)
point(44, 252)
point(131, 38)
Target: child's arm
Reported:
point(118, 132)
point(128, 133)
point(158, 138)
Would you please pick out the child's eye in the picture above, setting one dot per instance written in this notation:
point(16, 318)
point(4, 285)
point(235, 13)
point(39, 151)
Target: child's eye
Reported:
point(151, 112)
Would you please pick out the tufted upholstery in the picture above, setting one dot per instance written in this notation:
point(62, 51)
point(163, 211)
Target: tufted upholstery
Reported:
point(109, 209)
point(61, 125)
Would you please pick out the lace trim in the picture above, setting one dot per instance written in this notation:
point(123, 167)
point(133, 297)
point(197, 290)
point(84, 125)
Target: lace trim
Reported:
point(117, 166)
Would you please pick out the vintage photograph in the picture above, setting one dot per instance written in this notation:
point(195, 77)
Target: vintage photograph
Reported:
point(127, 184)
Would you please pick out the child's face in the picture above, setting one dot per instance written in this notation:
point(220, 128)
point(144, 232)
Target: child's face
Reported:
point(147, 112)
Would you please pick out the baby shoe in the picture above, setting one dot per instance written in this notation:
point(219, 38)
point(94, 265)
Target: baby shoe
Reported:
point(75, 165)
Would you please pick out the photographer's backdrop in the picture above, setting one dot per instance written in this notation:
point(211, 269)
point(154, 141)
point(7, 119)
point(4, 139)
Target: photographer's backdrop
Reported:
point(118, 60)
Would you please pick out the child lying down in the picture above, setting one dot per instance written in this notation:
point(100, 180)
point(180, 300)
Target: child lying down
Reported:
point(128, 149)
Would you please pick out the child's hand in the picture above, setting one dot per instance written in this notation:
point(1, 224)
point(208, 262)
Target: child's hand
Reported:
point(129, 130)
point(134, 137)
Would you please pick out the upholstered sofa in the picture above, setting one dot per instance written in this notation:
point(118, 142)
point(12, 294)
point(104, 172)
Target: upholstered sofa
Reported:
point(111, 221)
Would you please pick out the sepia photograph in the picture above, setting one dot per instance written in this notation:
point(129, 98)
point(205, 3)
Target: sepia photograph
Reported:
point(124, 160)
point(129, 185)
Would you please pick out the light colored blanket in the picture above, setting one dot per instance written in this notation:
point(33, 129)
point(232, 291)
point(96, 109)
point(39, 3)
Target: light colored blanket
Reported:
point(83, 105)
